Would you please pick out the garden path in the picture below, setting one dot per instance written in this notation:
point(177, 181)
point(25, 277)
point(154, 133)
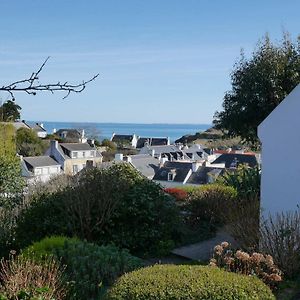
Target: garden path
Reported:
point(203, 251)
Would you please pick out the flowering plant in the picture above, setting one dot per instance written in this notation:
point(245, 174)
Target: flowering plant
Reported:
point(244, 263)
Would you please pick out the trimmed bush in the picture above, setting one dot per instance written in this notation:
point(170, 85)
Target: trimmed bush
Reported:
point(209, 203)
point(166, 282)
point(89, 268)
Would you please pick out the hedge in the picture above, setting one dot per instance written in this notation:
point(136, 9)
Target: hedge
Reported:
point(166, 282)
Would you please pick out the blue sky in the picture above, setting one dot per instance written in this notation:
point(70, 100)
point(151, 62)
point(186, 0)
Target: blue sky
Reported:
point(160, 61)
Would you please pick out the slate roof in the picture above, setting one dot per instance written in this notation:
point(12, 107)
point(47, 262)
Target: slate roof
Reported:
point(234, 159)
point(66, 148)
point(142, 141)
point(122, 137)
point(38, 128)
point(70, 133)
point(180, 169)
point(145, 164)
point(200, 176)
point(39, 161)
point(19, 125)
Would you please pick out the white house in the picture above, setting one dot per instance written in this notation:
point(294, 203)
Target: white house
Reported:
point(279, 134)
point(39, 168)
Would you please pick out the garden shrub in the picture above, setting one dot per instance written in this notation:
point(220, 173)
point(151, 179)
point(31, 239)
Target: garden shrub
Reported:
point(166, 282)
point(178, 193)
point(47, 247)
point(242, 222)
point(209, 203)
point(280, 237)
point(23, 278)
point(244, 179)
point(115, 205)
point(145, 220)
point(89, 268)
point(247, 264)
point(45, 216)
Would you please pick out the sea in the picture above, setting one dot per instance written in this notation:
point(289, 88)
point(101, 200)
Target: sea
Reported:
point(105, 130)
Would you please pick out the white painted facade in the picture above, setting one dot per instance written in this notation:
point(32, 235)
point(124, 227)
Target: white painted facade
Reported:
point(279, 134)
point(40, 174)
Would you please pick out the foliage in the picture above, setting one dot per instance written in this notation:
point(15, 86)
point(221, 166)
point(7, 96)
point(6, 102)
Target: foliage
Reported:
point(7, 140)
point(259, 84)
point(26, 279)
point(11, 181)
point(177, 193)
point(145, 218)
point(47, 247)
point(280, 237)
point(242, 219)
point(245, 180)
point(109, 144)
point(209, 202)
point(28, 143)
point(44, 216)
point(89, 267)
point(187, 282)
point(244, 263)
point(103, 205)
point(10, 111)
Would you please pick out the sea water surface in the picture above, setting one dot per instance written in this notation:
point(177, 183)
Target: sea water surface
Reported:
point(105, 130)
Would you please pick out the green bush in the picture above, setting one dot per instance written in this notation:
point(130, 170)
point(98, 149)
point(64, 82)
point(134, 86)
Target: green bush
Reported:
point(245, 180)
point(45, 216)
point(164, 282)
point(209, 203)
point(89, 268)
point(115, 205)
point(47, 246)
point(146, 221)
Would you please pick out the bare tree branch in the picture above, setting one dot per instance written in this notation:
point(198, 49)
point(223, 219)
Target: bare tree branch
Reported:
point(32, 85)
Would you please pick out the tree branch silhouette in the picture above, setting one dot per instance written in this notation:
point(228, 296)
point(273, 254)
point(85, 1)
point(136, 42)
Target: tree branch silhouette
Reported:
point(32, 85)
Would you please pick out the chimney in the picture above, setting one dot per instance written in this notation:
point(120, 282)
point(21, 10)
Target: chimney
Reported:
point(82, 133)
point(162, 161)
point(91, 142)
point(152, 152)
point(129, 160)
point(54, 130)
point(118, 157)
point(194, 167)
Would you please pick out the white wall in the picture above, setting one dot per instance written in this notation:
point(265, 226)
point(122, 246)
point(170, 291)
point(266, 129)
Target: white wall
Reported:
point(280, 137)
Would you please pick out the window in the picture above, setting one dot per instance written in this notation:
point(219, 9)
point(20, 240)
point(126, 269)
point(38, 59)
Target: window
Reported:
point(75, 169)
point(83, 154)
point(170, 176)
point(38, 171)
point(92, 153)
point(74, 154)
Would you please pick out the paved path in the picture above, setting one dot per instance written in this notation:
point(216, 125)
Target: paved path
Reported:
point(203, 251)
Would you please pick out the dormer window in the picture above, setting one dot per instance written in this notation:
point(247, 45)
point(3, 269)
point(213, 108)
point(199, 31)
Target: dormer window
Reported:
point(170, 176)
